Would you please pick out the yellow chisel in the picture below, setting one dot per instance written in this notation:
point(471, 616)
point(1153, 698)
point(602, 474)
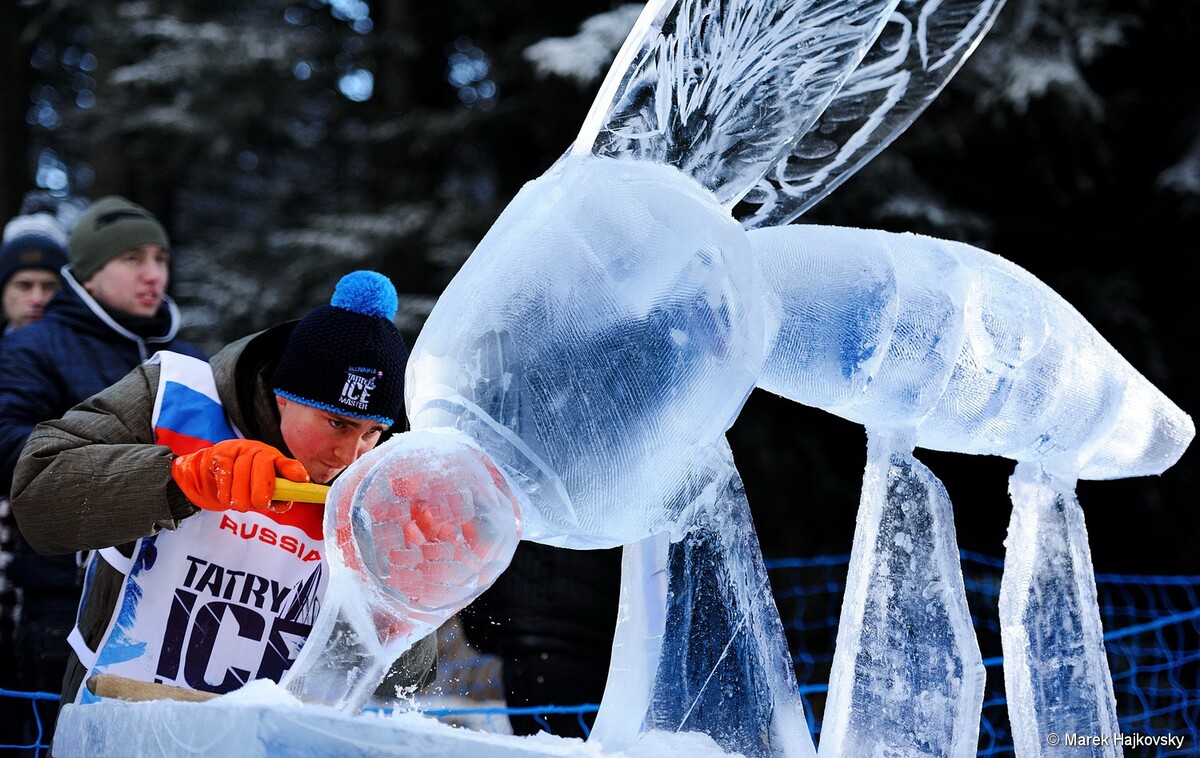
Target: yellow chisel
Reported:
point(300, 492)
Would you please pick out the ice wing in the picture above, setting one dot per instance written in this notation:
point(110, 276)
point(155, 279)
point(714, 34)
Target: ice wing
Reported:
point(924, 43)
point(721, 89)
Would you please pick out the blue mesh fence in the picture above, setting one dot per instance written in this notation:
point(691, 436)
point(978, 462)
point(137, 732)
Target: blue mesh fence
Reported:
point(16, 704)
point(1152, 636)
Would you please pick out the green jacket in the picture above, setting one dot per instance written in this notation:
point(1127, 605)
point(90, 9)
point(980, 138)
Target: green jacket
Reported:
point(95, 478)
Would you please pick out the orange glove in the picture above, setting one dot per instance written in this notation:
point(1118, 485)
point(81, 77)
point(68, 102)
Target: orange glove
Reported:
point(235, 475)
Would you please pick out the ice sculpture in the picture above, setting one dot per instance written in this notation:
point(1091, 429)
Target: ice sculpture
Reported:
point(606, 332)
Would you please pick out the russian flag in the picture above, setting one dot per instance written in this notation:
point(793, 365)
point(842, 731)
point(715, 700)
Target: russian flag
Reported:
point(189, 420)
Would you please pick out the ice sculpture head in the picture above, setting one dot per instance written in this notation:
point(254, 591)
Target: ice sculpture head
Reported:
point(598, 342)
point(427, 522)
point(415, 530)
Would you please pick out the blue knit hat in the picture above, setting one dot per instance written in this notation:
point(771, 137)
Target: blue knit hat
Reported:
point(33, 241)
point(348, 357)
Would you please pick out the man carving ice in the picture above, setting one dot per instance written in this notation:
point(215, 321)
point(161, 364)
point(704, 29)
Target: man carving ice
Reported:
point(201, 579)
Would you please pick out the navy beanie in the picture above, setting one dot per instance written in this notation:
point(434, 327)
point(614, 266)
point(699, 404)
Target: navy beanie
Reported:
point(348, 357)
point(32, 249)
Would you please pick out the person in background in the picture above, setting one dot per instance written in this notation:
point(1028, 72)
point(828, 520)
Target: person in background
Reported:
point(170, 475)
point(111, 314)
point(30, 260)
point(33, 249)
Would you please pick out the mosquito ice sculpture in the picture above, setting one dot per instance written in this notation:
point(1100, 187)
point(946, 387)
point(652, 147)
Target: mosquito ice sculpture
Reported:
point(605, 334)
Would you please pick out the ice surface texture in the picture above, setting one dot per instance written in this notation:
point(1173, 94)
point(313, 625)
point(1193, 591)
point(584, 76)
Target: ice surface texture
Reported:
point(262, 728)
point(922, 46)
point(262, 721)
point(720, 90)
point(597, 344)
point(729, 91)
point(608, 329)
point(710, 655)
point(626, 317)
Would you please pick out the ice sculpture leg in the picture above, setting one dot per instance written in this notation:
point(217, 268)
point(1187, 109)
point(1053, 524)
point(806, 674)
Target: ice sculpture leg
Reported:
point(637, 643)
point(907, 673)
point(1055, 670)
point(708, 653)
point(416, 529)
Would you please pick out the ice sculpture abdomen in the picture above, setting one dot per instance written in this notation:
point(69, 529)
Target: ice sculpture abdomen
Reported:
point(900, 331)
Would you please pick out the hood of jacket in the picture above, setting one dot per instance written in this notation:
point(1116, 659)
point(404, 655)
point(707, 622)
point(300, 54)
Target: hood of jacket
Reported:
point(73, 306)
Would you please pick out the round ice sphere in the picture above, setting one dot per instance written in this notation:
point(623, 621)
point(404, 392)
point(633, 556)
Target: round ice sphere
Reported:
point(427, 520)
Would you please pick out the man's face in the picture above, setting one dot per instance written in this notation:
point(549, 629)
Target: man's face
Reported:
point(26, 295)
point(325, 442)
point(134, 282)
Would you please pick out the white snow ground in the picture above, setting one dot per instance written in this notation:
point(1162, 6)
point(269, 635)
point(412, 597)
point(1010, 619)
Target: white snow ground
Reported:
point(262, 719)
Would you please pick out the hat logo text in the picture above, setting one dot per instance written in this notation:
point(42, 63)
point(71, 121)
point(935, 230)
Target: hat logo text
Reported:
point(357, 390)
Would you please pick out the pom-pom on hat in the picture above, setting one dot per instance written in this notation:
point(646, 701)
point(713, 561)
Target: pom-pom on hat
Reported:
point(348, 357)
point(107, 228)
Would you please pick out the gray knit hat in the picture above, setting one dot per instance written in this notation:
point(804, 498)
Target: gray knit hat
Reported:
point(107, 228)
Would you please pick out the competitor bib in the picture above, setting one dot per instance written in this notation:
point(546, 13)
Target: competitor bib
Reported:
point(225, 598)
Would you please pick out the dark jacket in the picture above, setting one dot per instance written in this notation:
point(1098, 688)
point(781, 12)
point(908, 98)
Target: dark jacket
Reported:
point(77, 349)
point(95, 478)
